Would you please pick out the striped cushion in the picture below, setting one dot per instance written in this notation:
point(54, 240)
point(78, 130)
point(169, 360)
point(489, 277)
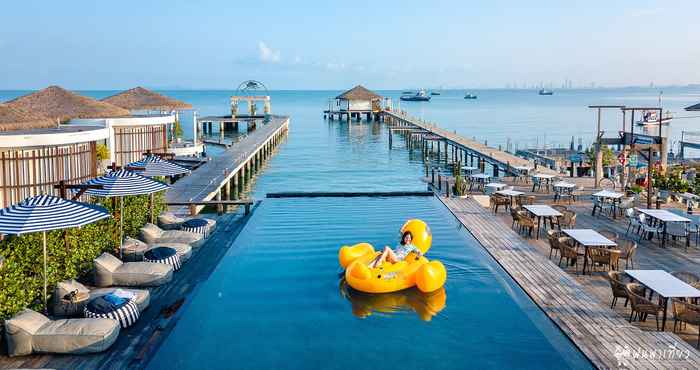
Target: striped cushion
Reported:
point(173, 260)
point(126, 315)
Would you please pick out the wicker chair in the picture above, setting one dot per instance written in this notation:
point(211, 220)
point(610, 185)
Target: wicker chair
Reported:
point(686, 312)
point(642, 307)
point(552, 236)
point(568, 220)
point(526, 223)
point(559, 208)
point(524, 200)
point(499, 200)
point(604, 257)
point(514, 214)
point(617, 284)
point(628, 249)
point(567, 252)
point(633, 219)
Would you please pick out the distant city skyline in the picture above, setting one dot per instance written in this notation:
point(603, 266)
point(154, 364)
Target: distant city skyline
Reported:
point(323, 45)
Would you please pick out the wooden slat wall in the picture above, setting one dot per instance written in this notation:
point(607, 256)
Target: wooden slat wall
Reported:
point(28, 172)
point(132, 142)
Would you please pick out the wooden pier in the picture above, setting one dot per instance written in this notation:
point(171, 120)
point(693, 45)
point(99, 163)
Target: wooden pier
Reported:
point(599, 332)
point(225, 176)
point(453, 147)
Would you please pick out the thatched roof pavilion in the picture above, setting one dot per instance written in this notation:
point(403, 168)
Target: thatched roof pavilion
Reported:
point(359, 92)
point(17, 119)
point(139, 98)
point(59, 104)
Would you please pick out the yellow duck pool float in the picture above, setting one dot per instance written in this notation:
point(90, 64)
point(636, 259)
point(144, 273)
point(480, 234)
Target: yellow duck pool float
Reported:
point(428, 276)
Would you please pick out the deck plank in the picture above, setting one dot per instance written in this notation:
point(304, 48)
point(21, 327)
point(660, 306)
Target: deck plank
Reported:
point(593, 327)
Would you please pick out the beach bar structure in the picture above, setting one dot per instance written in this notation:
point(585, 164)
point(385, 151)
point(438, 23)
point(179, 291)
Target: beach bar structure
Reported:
point(145, 104)
point(130, 135)
point(355, 103)
point(37, 153)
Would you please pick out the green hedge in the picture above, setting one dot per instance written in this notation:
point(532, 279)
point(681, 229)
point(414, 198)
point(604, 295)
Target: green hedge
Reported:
point(21, 276)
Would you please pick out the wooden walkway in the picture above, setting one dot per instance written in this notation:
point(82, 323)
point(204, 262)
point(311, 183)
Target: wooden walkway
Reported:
point(599, 332)
point(491, 155)
point(137, 344)
point(230, 170)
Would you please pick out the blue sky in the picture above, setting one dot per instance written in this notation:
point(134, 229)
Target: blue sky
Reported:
point(332, 45)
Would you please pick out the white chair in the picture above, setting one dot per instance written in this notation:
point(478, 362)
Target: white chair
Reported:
point(647, 229)
point(633, 219)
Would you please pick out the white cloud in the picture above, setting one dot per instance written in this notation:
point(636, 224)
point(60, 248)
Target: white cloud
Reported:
point(268, 55)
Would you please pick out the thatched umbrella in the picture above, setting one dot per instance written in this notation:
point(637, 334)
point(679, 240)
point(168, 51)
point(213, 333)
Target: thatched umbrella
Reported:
point(62, 105)
point(18, 119)
point(139, 98)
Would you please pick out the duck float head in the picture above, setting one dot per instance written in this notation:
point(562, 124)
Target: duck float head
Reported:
point(427, 275)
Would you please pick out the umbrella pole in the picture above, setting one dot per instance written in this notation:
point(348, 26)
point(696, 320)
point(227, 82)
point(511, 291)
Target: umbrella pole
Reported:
point(46, 307)
point(121, 225)
point(152, 205)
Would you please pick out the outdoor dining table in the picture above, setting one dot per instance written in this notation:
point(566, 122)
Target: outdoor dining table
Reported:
point(541, 211)
point(562, 186)
point(588, 238)
point(665, 217)
point(480, 179)
point(495, 186)
point(541, 177)
point(665, 285)
point(510, 193)
point(613, 196)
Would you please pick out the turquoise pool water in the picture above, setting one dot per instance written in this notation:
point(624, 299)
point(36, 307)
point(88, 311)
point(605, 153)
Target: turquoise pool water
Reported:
point(276, 300)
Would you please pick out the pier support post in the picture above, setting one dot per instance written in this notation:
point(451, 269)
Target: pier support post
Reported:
point(234, 187)
point(219, 207)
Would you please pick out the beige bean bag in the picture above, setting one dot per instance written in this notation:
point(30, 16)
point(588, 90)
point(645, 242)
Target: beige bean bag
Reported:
point(31, 332)
point(152, 234)
point(62, 307)
point(133, 249)
point(110, 271)
point(170, 221)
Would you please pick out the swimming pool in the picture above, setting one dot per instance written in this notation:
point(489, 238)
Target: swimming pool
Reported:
point(276, 299)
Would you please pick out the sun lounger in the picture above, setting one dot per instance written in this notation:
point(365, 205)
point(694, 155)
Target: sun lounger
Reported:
point(31, 332)
point(110, 271)
point(152, 234)
point(133, 249)
point(67, 307)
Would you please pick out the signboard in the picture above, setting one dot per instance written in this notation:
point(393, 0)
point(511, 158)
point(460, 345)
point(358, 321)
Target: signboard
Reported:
point(633, 160)
point(578, 157)
point(643, 139)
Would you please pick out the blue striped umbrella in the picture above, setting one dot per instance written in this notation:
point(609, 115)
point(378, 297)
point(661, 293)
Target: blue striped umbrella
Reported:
point(121, 183)
point(43, 213)
point(156, 166)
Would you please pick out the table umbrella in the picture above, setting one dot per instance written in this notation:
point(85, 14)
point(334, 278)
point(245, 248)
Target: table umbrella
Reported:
point(156, 166)
point(121, 183)
point(44, 213)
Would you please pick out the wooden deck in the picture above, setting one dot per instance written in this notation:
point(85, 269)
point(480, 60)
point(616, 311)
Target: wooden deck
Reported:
point(504, 159)
point(137, 344)
point(598, 331)
point(233, 165)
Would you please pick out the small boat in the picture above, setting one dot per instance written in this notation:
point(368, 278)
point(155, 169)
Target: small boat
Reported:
point(546, 92)
point(434, 93)
point(419, 96)
point(470, 96)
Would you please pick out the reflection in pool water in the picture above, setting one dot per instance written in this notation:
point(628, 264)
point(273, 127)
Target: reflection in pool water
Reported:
point(425, 305)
